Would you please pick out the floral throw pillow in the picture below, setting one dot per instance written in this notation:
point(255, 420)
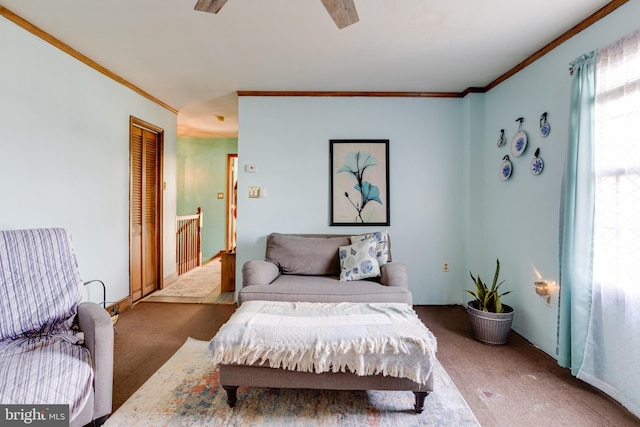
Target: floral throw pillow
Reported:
point(358, 260)
point(382, 245)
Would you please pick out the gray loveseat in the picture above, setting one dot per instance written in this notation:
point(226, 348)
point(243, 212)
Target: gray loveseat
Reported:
point(306, 267)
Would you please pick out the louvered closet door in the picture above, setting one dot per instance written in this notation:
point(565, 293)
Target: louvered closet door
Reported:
point(144, 229)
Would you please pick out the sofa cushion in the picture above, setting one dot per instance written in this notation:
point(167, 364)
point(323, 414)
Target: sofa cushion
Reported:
point(382, 244)
point(358, 260)
point(305, 255)
point(324, 289)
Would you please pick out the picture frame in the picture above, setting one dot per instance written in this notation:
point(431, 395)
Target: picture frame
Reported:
point(359, 182)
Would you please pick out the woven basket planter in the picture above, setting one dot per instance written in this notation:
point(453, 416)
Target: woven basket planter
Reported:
point(490, 328)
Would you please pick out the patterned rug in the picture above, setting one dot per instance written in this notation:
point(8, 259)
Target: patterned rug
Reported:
point(197, 283)
point(185, 392)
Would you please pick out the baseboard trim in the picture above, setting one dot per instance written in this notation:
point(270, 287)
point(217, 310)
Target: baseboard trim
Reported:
point(170, 279)
point(122, 305)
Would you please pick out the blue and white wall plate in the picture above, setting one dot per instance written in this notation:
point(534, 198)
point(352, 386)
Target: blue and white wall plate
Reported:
point(505, 168)
point(537, 164)
point(501, 140)
point(519, 140)
point(545, 128)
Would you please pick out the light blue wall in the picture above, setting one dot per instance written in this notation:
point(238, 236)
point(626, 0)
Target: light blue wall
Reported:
point(447, 202)
point(288, 140)
point(473, 195)
point(522, 214)
point(64, 155)
point(202, 174)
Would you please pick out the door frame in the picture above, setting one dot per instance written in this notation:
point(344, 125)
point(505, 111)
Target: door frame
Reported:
point(232, 198)
point(160, 187)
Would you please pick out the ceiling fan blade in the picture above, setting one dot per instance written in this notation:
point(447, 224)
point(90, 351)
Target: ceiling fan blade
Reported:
point(211, 6)
point(343, 12)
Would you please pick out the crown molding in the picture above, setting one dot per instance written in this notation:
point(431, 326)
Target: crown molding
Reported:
point(21, 22)
point(582, 25)
point(350, 94)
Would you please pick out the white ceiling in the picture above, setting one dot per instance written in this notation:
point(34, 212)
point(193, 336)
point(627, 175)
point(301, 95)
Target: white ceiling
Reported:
point(195, 61)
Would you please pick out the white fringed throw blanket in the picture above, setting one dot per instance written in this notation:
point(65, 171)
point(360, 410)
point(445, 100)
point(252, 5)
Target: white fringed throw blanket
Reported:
point(366, 339)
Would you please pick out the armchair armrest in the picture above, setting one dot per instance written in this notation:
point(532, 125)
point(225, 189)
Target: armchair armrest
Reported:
point(259, 273)
point(96, 324)
point(394, 274)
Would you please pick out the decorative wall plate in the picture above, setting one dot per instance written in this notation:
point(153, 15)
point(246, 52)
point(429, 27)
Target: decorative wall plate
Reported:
point(519, 140)
point(505, 169)
point(537, 164)
point(501, 140)
point(545, 128)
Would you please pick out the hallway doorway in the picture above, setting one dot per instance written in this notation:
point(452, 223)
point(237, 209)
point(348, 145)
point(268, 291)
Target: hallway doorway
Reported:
point(232, 200)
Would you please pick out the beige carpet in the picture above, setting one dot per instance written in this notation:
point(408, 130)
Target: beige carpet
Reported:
point(200, 285)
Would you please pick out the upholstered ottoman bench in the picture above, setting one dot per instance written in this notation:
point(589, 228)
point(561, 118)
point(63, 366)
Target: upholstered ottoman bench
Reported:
point(341, 346)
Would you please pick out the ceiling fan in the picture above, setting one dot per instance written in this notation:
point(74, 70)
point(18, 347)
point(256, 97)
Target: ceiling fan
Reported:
point(343, 12)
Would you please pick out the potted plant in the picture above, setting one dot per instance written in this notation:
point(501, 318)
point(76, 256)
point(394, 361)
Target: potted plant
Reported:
point(490, 318)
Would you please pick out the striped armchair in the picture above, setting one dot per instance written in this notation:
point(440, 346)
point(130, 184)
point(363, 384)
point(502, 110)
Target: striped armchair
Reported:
point(53, 349)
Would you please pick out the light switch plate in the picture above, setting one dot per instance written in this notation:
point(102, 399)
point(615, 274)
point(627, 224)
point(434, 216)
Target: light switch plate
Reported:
point(254, 192)
point(251, 168)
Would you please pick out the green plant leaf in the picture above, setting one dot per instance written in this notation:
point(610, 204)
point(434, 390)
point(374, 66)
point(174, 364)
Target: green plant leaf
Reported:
point(495, 277)
point(499, 308)
point(488, 299)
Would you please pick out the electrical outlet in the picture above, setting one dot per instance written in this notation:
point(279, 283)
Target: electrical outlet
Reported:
point(445, 267)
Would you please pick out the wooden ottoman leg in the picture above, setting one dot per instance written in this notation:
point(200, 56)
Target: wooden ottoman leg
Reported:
point(232, 394)
point(420, 396)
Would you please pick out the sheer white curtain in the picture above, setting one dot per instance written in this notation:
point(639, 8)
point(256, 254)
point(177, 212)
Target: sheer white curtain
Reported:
point(612, 350)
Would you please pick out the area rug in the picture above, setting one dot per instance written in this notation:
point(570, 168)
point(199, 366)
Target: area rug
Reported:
point(197, 283)
point(185, 392)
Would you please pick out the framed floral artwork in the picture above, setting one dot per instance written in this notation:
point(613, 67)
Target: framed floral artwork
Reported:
point(359, 181)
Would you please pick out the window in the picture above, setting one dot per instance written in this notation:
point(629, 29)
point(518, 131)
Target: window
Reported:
point(598, 327)
point(617, 165)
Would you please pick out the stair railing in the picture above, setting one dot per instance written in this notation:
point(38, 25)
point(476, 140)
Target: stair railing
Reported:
point(188, 242)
